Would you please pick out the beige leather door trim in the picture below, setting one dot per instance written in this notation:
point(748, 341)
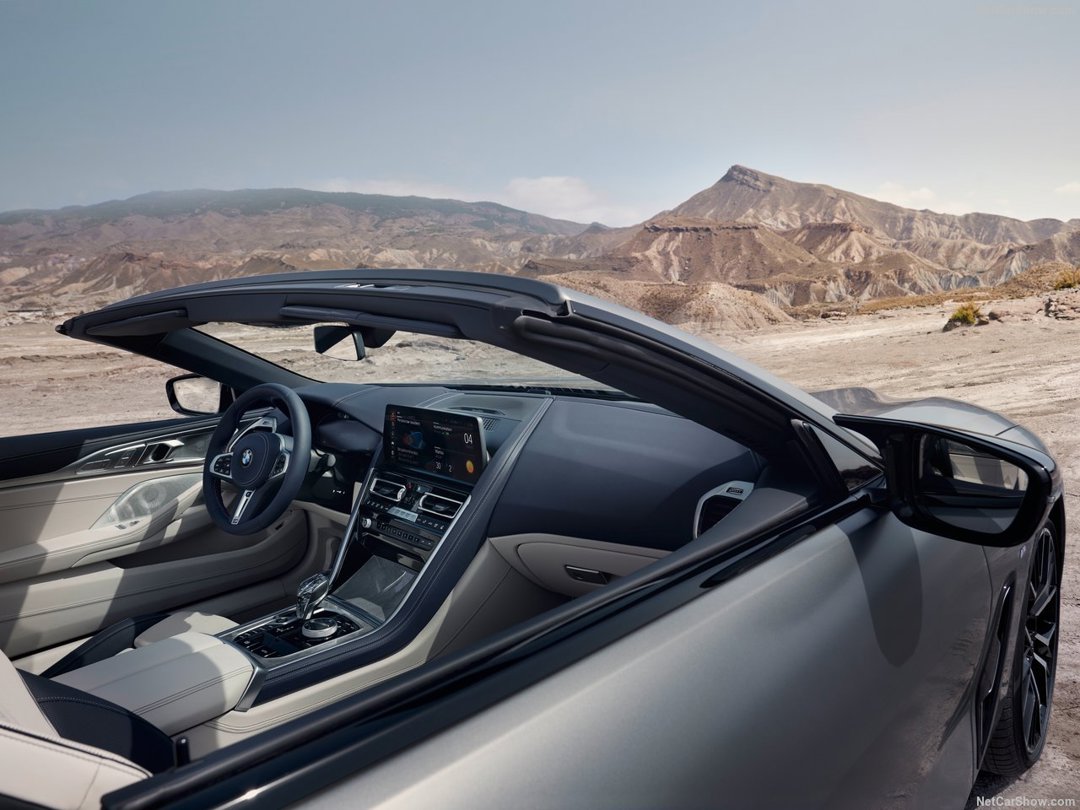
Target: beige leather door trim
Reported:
point(51, 609)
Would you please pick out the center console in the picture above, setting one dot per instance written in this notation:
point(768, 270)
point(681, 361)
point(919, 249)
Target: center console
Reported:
point(414, 493)
point(430, 461)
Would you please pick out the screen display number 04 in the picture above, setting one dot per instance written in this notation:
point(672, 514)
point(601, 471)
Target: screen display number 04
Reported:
point(446, 444)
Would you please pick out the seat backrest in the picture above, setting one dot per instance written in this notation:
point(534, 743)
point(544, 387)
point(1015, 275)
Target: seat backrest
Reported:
point(41, 767)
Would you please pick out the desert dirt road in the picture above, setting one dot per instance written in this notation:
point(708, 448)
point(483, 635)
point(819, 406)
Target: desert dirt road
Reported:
point(1025, 365)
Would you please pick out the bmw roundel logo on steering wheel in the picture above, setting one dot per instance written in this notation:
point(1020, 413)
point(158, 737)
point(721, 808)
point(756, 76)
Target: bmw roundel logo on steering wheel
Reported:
point(246, 457)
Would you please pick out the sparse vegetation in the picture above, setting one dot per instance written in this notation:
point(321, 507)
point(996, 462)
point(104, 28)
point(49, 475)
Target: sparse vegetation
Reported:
point(1067, 279)
point(967, 314)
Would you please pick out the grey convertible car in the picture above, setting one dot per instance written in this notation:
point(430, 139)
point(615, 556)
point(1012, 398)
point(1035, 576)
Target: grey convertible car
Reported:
point(442, 539)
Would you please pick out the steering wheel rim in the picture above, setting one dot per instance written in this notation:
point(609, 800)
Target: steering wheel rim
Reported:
point(267, 467)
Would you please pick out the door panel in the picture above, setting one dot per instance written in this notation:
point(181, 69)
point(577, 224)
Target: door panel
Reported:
point(835, 674)
point(104, 523)
point(65, 524)
point(44, 611)
point(25, 458)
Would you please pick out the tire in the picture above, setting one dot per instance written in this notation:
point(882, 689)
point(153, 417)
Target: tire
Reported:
point(1020, 734)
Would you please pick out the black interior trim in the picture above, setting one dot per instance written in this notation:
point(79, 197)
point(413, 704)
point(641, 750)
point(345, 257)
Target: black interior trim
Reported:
point(84, 718)
point(153, 324)
point(44, 453)
point(358, 318)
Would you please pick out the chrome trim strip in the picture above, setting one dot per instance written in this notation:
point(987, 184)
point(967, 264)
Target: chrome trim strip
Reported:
point(401, 489)
point(238, 512)
point(261, 422)
point(420, 504)
point(427, 562)
point(213, 464)
point(284, 467)
point(258, 678)
point(350, 526)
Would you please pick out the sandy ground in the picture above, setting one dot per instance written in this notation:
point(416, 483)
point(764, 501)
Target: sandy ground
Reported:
point(1025, 365)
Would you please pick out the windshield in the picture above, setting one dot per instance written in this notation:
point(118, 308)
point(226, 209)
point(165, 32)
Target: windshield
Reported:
point(405, 358)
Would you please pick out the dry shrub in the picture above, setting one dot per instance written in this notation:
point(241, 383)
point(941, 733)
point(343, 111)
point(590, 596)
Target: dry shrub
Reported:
point(1067, 279)
point(967, 314)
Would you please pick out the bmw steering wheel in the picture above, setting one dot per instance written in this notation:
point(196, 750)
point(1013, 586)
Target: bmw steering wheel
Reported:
point(265, 460)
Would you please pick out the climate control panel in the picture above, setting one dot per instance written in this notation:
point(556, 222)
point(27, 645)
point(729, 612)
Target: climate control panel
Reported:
point(409, 512)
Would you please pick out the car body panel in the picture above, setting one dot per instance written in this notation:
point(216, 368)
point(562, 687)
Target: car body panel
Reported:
point(942, 411)
point(850, 690)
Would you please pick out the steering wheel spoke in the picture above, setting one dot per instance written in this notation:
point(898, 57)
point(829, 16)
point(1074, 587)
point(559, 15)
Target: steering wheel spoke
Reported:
point(262, 423)
point(281, 465)
point(221, 466)
point(241, 505)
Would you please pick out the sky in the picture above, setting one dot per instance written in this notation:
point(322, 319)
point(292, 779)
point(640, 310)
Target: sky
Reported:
point(593, 110)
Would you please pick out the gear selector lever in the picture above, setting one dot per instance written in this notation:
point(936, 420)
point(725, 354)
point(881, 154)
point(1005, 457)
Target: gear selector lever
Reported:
point(310, 593)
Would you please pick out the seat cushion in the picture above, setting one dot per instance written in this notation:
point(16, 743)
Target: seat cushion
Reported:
point(46, 771)
point(17, 706)
point(39, 767)
point(90, 720)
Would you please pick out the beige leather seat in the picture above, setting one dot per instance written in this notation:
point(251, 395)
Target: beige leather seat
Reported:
point(40, 766)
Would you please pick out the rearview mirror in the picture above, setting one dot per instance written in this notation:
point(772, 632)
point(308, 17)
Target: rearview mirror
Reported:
point(978, 489)
point(327, 337)
point(195, 395)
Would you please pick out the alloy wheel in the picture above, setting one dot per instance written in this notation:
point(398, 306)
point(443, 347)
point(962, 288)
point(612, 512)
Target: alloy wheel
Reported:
point(1040, 640)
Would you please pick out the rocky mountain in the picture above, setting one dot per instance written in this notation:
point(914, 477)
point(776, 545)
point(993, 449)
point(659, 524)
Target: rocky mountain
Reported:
point(160, 239)
point(683, 250)
point(748, 195)
point(749, 234)
point(804, 243)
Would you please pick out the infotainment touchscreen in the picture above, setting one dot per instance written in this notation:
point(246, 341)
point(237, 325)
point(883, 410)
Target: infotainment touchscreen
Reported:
point(436, 442)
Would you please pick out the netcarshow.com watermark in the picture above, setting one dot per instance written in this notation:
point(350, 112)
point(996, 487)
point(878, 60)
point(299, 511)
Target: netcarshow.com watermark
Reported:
point(1022, 801)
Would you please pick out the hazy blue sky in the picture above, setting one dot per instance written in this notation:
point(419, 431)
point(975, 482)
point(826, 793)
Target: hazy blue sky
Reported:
point(588, 110)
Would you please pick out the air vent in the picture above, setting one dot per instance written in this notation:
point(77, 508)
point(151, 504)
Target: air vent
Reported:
point(717, 504)
point(713, 511)
point(438, 505)
point(489, 423)
point(391, 490)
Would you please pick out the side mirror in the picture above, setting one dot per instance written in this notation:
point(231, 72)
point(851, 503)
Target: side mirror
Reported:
point(195, 395)
point(977, 489)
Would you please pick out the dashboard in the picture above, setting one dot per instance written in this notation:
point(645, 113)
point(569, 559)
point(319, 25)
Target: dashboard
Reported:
point(569, 490)
point(625, 472)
